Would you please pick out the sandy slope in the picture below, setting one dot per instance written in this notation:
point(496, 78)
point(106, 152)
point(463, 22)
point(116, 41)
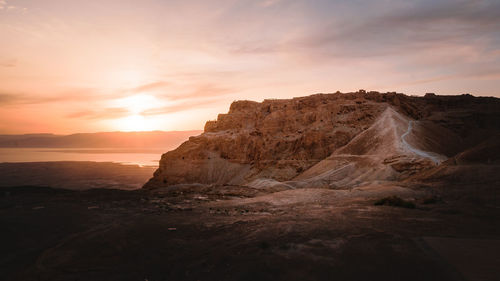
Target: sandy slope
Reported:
point(370, 157)
point(435, 157)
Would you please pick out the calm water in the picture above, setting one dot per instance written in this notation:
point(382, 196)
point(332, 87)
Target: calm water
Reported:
point(143, 157)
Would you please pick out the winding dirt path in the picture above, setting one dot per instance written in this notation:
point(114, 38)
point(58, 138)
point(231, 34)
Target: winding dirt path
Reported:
point(435, 157)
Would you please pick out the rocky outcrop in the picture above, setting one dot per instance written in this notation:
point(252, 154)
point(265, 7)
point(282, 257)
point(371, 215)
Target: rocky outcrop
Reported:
point(298, 139)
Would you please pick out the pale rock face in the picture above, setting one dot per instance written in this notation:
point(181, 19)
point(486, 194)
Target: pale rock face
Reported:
point(329, 140)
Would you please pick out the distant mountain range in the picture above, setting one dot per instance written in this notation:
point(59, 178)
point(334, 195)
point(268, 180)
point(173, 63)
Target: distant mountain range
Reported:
point(154, 139)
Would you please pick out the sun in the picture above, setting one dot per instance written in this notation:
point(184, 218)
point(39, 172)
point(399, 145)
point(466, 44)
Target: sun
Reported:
point(136, 121)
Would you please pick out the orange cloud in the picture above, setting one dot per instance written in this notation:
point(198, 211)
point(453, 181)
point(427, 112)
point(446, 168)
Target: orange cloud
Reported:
point(107, 113)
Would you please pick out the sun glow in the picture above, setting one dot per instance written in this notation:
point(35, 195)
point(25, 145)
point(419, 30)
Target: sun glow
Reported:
point(136, 105)
point(135, 123)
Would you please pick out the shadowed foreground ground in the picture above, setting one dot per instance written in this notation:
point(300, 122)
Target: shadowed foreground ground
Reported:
point(240, 233)
point(75, 175)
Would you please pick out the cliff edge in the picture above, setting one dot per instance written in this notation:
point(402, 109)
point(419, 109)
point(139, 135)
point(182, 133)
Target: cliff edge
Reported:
point(334, 140)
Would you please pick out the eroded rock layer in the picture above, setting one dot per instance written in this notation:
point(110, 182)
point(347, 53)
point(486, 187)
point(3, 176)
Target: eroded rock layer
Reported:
point(299, 139)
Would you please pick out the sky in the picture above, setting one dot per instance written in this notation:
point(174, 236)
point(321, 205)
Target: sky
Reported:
point(70, 66)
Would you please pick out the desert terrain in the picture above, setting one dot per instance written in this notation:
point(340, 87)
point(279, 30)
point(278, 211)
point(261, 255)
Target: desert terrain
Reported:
point(356, 186)
point(75, 175)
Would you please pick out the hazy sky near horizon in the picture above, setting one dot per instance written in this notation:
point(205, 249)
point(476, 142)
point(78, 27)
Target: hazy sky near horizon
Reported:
point(84, 66)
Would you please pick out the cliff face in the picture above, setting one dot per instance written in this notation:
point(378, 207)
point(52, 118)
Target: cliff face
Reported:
point(301, 138)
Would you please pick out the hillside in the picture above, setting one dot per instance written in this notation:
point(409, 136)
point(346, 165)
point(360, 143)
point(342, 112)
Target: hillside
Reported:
point(335, 140)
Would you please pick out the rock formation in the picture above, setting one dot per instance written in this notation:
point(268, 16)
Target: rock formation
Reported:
point(334, 140)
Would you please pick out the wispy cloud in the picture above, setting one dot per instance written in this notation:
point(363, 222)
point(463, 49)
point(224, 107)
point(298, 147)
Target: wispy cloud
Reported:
point(8, 63)
point(158, 85)
point(268, 3)
point(7, 99)
point(7, 6)
point(480, 74)
point(182, 106)
point(423, 25)
point(106, 113)
point(200, 92)
point(203, 95)
point(75, 95)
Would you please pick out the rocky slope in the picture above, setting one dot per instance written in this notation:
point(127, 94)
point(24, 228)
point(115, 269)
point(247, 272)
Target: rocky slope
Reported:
point(335, 140)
